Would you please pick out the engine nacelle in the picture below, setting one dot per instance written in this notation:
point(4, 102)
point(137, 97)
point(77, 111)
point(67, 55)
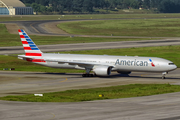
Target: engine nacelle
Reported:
point(102, 70)
point(124, 72)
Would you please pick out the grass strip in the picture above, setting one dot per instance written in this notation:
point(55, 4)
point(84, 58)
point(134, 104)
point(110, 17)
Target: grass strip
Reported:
point(114, 92)
point(126, 27)
point(85, 16)
point(7, 39)
point(167, 52)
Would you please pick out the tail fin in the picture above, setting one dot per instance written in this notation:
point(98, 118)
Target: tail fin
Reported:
point(29, 46)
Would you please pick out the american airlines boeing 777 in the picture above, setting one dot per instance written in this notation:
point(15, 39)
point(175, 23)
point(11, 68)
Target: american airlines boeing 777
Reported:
point(101, 65)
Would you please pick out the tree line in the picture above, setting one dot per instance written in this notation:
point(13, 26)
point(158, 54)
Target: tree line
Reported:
point(89, 6)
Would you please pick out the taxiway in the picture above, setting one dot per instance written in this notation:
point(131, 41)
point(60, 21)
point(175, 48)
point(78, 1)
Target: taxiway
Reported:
point(20, 83)
point(92, 46)
point(157, 107)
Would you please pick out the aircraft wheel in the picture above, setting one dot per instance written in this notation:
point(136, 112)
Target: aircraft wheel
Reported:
point(87, 75)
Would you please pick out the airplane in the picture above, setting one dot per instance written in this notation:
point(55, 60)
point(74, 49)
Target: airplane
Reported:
point(101, 65)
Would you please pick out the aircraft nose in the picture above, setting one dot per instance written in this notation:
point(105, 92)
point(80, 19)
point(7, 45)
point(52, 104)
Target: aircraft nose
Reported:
point(175, 66)
point(172, 66)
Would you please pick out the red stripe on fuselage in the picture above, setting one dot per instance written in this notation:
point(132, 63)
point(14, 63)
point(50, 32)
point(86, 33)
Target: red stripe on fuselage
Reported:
point(29, 59)
point(38, 60)
point(35, 60)
point(33, 54)
point(22, 36)
point(24, 42)
point(27, 48)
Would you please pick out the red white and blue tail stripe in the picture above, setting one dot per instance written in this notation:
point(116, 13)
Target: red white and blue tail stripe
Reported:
point(29, 46)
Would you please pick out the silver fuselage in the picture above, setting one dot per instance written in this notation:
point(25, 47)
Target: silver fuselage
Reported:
point(118, 63)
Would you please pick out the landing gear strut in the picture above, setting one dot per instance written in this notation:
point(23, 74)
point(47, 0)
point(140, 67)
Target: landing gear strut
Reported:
point(164, 74)
point(87, 73)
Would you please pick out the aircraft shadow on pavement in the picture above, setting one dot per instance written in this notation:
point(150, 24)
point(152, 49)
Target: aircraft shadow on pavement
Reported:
point(112, 76)
point(139, 76)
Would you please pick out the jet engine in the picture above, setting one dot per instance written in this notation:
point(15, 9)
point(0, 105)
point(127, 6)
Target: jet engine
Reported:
point(102, 70)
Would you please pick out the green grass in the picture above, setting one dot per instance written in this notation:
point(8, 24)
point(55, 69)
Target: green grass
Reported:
point(127, 27)
point(88, 16)
point(114, 92)
point(122, 11)
point(8, 39)
point(171, 53)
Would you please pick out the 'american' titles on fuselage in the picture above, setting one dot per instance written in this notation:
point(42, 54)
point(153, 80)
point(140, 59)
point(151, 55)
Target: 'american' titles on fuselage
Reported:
point(131, 62)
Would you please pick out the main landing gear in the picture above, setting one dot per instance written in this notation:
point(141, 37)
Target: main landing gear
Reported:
point(164, 74)
point(88, 73)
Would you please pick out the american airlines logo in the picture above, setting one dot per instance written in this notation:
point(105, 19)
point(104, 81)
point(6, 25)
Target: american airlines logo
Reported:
point(131, 63)
point(152, 64)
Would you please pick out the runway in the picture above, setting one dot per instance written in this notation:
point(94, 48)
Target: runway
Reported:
point(92, 46)
point(157, 107)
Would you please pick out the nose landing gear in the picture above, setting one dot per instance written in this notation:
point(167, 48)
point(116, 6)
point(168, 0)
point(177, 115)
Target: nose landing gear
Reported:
point(164, 75)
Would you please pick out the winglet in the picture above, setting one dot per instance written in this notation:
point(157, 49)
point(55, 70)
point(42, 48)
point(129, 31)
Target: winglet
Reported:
point(29, 46)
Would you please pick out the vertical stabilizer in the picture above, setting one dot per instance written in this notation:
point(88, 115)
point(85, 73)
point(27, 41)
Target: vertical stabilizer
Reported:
point(29, 46)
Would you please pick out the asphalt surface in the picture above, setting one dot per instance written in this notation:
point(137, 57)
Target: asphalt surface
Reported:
point(92, 46)
point(17, 83)
point(157, 107)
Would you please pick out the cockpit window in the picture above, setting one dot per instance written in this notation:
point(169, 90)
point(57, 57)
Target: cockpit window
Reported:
point(171, 63)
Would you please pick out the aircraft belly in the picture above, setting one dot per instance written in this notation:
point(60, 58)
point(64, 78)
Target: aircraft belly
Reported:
point(139, 68)
point(57, 65)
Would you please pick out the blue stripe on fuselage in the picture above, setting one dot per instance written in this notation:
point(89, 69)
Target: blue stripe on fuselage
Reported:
point(31, 43)
point(34, 48)
point(29, 40)
point(26, 36)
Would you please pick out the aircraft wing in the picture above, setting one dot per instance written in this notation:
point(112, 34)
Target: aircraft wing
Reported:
point(81, 64)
